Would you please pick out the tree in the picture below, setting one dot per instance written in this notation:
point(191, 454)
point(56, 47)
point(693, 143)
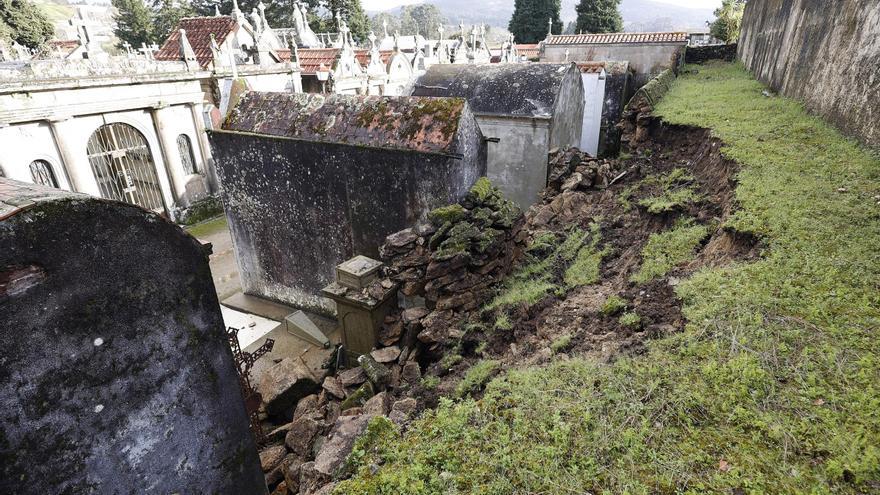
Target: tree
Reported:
point(391, 21)
point(134, 22)
point(598, 16)
point(529, 21)
point(168, 14)
point(353, 14)
point(422, 18)
point(728, 19)
point(25, 23)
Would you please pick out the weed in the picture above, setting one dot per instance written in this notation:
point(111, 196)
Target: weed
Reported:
point(585, 268)
point(666, 250)
point(613, 305)
point(476, 376)
point(430, 382)
point(630, 320)
point(560, 344)
point(450, 359)
point(503, 322)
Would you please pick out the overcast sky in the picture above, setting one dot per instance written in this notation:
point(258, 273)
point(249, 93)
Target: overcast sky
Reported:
point(389, 4)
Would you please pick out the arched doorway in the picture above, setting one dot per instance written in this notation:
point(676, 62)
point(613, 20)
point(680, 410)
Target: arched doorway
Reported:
point(123, 166)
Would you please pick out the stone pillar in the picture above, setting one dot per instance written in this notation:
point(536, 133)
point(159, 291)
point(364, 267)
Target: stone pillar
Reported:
point(199, 123)
point(164, 148)
point(67, 159)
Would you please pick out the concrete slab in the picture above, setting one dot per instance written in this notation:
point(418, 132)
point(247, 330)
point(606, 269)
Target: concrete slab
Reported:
point(252, 327)
point(258, 306)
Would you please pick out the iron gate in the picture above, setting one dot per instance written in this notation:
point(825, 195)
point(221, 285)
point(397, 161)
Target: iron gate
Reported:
point(123, 166)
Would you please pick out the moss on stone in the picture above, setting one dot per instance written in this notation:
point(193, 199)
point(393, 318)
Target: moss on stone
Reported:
point(444, 214)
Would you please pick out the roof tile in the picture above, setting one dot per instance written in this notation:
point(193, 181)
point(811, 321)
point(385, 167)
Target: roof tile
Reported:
point(198, 32)
point(611, 38)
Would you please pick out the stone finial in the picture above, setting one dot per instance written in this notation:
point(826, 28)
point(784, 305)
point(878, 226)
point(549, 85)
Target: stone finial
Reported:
point(216, 11)
point(186, 52)
point(396, 41)
point(566, 55)
point(256, 22)
point(385, 27)
point(461, 28)
point(262, 8)
point(372, 37)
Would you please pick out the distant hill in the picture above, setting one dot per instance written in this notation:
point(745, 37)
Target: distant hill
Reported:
point(638, 15)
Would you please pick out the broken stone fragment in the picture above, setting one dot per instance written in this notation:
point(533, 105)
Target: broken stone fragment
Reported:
point(359, 397)
point(378, 405)
point(307, 407)
point(402, 410)
point(333, 387)
point(291, 469)
point(573, 182)
point(281, 489)
point(340, 443)
point(284, 384)
point(386, 354)
point(413, 314)
point(376, 373)
point(271, 457)
point(352, 377)
point(411, 373)
point(435, 326)
point(310, 479)
point(402, 238)
point(390, 333)
point(301, 435)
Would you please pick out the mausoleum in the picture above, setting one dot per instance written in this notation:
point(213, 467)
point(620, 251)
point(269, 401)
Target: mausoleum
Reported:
point(308, 180)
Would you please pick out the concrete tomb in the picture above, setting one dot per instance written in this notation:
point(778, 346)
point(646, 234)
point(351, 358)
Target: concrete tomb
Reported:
point(309, 180)
point(529, 108)
point(116, 376)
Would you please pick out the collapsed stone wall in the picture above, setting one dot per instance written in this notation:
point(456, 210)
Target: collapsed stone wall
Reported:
point(701, 54)
point(637, 115)
point(823, 53)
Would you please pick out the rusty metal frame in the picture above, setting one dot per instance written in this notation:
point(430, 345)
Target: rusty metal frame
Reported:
point(244, 361)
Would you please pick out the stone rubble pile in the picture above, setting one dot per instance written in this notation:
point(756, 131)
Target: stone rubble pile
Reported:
point(444, 267)
point(571, 173)
point(452, 261)
point(307, 455)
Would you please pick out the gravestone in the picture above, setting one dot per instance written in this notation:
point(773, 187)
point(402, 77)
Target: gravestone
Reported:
point(116, 374)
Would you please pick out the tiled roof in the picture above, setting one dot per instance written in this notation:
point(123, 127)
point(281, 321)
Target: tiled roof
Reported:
point(591, 67)
point(198, 32)
point(363, 56)
point(609, 38)
point(426, 125)
point(527, 50)
point(311, 58)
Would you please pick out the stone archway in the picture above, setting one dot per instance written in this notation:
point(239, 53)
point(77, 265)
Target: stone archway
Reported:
point(123, 166)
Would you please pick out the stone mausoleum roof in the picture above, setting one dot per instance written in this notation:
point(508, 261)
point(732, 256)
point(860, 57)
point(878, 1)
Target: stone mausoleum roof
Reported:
point(198, 32)
point(529, 90)
point(426, 125)
point(615, 38)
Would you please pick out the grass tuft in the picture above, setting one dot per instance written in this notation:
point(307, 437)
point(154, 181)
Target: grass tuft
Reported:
point(665, 250)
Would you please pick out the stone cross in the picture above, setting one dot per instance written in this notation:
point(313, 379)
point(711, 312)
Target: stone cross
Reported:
point(127, 47)
point(82, 32)
point(440, 30)
point(372, 38)
point(461, 28)
point(147, 50)
point(549, 26)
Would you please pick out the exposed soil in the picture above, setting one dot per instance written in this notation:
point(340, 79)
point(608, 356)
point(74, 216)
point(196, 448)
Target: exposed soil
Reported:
point(625, 229)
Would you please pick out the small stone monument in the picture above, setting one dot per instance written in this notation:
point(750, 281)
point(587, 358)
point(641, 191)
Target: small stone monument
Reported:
point(362, 302)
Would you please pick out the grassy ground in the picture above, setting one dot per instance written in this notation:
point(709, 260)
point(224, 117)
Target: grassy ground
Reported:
point(774, 387)
point(208, 227)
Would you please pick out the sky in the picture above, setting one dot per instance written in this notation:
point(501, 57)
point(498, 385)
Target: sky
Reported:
point(389, 4)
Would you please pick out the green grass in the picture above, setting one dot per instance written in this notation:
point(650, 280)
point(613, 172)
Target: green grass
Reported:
point(208, 227)
point(613, 305)
point(630, 320)
point(560, 344)
point(776, 374)
point(675, 191)
point(476, 377)
point(665, 250)
point(576, 256)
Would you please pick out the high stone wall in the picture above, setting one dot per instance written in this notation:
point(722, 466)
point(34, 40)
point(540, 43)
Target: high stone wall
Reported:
point(824, 53)
point(116, 373)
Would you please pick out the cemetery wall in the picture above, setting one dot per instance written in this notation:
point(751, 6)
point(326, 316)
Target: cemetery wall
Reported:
point(823, 53)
